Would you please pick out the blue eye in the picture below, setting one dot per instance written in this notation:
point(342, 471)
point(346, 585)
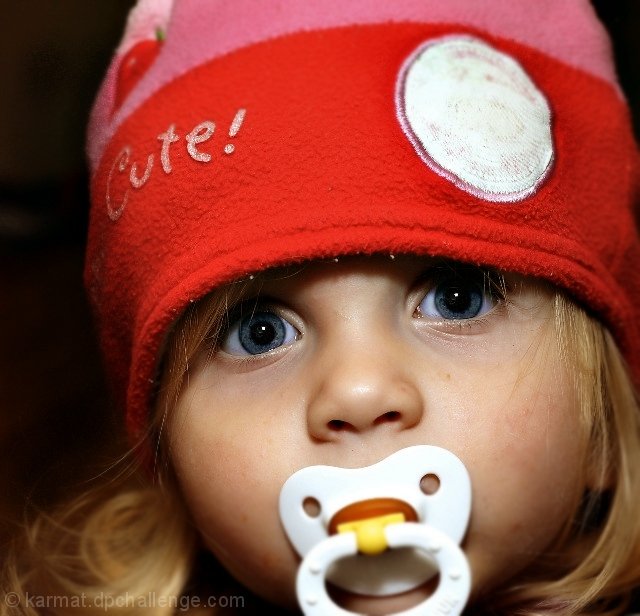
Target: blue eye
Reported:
point(259, 333)
point(457, 298)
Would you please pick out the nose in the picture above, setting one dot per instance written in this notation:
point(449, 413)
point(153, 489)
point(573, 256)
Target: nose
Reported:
point(361, 391)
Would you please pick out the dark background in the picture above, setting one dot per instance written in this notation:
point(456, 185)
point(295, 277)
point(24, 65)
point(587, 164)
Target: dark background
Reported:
point(54, 411)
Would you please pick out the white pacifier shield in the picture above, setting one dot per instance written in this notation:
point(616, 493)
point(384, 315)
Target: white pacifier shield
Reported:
point(450, 597)
point(398, 477)
point(475, 117)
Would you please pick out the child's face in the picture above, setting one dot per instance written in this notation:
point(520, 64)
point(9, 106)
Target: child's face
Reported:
point(345, 363)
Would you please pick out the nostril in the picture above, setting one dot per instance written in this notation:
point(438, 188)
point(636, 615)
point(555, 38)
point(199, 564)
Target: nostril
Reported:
point(338, 425)
point(388, 417)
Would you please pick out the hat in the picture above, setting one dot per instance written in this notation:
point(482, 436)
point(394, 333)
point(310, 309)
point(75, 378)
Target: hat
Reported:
point(229, 137)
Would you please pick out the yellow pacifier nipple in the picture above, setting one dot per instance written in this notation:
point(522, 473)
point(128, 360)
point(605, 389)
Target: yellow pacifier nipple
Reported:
point(370, 532)
point(368, 519)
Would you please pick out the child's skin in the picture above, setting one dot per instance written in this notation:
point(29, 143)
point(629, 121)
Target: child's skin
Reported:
point(367, 367)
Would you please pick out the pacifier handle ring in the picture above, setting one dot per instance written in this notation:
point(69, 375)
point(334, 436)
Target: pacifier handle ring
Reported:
point(450, 597)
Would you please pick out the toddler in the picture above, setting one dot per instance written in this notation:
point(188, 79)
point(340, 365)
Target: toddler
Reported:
point(387, 248)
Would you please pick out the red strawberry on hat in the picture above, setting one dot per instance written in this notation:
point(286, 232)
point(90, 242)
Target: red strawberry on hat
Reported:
point(134, 64)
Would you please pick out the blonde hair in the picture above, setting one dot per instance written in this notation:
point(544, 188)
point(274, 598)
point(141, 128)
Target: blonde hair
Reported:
point(596, 564)
point(133, 541)
point(105, 549)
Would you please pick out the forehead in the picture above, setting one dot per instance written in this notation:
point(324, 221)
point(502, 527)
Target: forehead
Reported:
point(373, 265)
point(323, 276)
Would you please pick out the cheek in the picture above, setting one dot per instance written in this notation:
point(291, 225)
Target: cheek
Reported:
point(234, 505)
point(517, 513)
point(524, 453)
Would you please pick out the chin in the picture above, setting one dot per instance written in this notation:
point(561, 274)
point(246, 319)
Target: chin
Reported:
point(381, 605)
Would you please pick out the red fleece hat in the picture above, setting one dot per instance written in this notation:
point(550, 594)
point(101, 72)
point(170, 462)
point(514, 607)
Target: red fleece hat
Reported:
point(229, 137)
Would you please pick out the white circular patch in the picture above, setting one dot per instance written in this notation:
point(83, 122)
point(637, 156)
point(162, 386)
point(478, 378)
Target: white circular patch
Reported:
point(476, 117)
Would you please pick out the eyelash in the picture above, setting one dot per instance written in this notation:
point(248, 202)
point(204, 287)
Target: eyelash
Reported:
point(492, 285)
point(246, 312)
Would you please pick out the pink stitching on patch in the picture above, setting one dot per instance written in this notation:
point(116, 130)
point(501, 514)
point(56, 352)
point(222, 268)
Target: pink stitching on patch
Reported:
point(423, 151)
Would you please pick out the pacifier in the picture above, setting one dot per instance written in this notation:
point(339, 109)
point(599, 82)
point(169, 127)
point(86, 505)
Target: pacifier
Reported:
point(374, 531)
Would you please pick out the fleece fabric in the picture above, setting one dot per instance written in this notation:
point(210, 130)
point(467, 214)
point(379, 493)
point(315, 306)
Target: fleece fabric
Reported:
point(267, 139)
